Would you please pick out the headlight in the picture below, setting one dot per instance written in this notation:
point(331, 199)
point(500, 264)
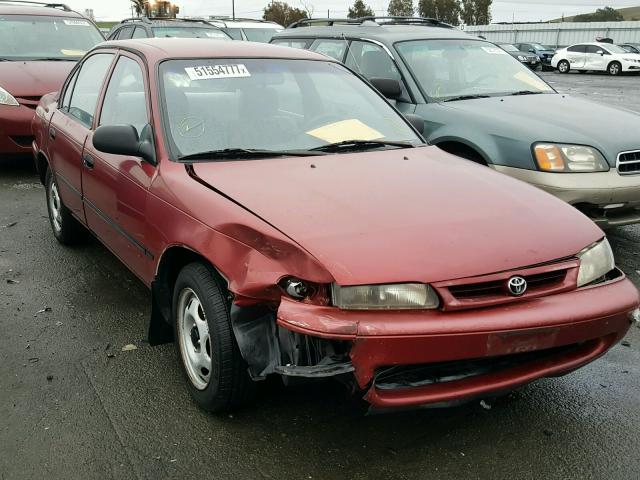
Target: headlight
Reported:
point(7, 99)
point(406, 296)
point(522, 58)
point(632, 60)
point(569, 158)
point(595, 261)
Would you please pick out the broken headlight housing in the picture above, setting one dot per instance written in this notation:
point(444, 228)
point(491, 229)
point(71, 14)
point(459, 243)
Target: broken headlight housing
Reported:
point(595, 262)
point(398, 296)
point(552, 157)
point(7, 99)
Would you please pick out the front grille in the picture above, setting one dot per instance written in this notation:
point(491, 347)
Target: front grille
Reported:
point(490, 290)
point(629, 162)
point(498, 287)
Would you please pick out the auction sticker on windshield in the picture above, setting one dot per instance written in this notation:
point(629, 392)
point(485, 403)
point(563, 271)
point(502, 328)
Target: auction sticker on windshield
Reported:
point(78, 23)
point(494, 50)
point(217, 71)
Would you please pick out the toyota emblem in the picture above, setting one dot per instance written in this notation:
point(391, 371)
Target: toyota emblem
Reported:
point(517, 286)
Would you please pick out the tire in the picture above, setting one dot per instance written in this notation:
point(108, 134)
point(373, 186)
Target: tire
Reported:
point(563, 66)
point(214, 370)
point(66, 229)
point(614, 69)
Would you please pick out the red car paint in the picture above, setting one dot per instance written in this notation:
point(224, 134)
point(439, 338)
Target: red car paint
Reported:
point(417, 215)
point(27, 82)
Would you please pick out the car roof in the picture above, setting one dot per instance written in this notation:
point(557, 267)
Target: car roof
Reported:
point(157, 49)
point(17, 9)
point(165, 22)
point(374, 31)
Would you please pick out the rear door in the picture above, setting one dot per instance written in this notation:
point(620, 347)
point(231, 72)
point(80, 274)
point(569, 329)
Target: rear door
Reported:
point(70, 126)
point(116, 186)
point(576, 55)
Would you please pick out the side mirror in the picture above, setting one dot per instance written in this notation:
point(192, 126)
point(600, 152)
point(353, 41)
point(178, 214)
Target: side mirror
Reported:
point(389, 87)
point(600, 52)
point(416, 122)
point(532, 50)
point(124, 140)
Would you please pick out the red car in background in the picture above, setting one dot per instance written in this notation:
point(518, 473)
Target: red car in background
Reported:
point(289, 221)
point(39, 45)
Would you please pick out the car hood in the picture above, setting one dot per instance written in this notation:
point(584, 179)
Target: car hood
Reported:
point(33, 79)
point(404, 215)
point(553, 118)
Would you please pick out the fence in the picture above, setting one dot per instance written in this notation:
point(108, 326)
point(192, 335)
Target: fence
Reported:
point(558, 34)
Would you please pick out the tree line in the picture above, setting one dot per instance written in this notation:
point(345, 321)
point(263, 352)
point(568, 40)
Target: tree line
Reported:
point(455, 12)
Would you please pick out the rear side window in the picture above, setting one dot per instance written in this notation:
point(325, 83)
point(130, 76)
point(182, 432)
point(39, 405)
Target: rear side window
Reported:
point(87, 87)
point(333, 48)
point(287, 42)
point(234, 33)
point(139, 32)
point(577, 49)
point(125, 101)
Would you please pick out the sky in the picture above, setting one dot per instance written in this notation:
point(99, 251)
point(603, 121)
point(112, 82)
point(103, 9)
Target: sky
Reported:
point(502, 11)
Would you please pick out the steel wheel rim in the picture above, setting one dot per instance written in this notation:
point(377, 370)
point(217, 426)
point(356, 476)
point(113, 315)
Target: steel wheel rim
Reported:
point(55, 207)
point(194, 339)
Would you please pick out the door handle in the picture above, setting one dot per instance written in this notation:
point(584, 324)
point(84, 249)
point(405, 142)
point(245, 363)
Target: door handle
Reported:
point(87, 160)
point(52, 134)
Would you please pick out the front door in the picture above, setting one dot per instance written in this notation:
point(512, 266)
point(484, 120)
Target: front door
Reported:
point(596, 58)
point(116, 186)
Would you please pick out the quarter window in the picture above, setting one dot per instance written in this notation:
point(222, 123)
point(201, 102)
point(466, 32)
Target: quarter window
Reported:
point(332, 48)
point(139, 32)
point(125, 101)
point(87, 87)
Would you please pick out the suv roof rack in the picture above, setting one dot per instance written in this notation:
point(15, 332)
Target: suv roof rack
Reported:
point(60, 6)
point(427, 22)
point(223, 19)
point(163, 19)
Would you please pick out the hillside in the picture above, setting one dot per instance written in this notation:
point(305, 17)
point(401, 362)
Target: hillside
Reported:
point(629, 13)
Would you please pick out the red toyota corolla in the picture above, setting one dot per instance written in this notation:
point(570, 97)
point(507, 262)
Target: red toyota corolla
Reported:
point(289, 221)
point(39, 45)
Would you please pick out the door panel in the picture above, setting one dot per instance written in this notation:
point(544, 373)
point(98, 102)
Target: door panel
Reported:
point(594, 60)
point(116, 186)
point(576, 56)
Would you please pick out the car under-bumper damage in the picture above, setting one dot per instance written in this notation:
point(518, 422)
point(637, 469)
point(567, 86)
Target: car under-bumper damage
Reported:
point(608, 198)
point(413, 358)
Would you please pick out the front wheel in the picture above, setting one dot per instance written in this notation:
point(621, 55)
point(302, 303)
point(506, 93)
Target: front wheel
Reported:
point(216, 373)
point(66, 228)
point(614, 68)
point(563, 66)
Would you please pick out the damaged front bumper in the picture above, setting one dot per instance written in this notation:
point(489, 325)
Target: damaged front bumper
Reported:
point(411, 358)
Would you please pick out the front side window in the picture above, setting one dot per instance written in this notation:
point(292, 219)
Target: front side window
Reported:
point(263, 35)
point(332, 48)
point(69, 90)
point(179, 31)
point(371, 61)
point(125, 101)
point(39, 37)
point(447, 70)
point(234, 33)
point(87, 87)
point(271, 104)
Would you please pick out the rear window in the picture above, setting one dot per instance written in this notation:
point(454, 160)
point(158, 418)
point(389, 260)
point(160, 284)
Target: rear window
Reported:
point(33, 37)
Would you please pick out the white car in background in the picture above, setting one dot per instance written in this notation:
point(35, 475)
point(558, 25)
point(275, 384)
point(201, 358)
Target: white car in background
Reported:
point(604, 57)
point(248, 29)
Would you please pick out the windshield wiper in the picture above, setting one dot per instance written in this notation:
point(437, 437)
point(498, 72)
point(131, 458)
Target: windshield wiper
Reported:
point(247, 153)
point(526, 92)
point(360, 145)
point(465, 97)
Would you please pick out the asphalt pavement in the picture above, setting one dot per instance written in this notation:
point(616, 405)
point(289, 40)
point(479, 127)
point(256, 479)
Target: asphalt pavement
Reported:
point(73, 404)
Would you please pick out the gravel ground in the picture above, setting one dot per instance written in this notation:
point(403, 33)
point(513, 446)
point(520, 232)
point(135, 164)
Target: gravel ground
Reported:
point(74, 405)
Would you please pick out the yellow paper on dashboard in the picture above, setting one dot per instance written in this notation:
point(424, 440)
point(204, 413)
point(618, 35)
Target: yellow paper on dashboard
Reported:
point(72, 53)
point(352, 129)
point(532, 80)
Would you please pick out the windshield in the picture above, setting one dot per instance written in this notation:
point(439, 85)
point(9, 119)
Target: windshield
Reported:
point(260, 34)
point(615, 49)
point(539, 46)
point(189, 32)
point(272, 104)
point(29, 37)
point(508, 47)
point(446, 69)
